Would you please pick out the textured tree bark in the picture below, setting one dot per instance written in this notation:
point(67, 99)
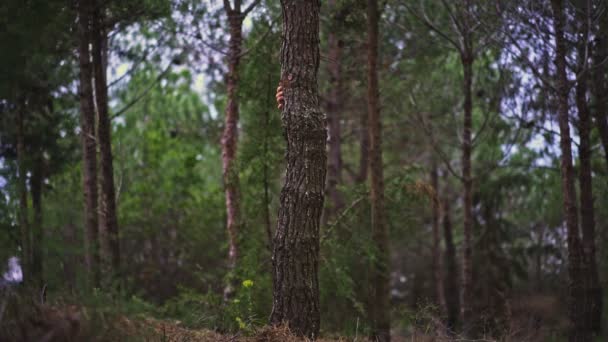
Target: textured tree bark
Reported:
point(22, 189)
point(381, 273)
point(576, 289)
point(334, 109)
point(108, 222)
point(296, 241)
point(451, 276)
point(230, 134)
point(600, 54)
point(437, 265)
point(594, 290)
point(37, 233)
point(89, 145)
point(467, 248)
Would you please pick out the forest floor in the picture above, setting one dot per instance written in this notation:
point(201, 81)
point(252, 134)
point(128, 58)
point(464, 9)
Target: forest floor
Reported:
point(537, 318)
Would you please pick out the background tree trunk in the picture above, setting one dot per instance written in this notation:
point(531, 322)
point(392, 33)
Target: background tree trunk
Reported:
point(467, 248)
point(594, 291)
point(451, 276)
point(296, 241)
point(36, 182)
point(108, 222)
point(600, 53)
point(89, 145)
point(576, 290)
point(334, 110)
point(437, 265)
point(381, 274)
point(22, 189)
point(230, 135)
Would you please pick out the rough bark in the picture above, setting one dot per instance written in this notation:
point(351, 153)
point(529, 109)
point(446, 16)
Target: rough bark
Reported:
point(451, 275)
point(467, 248)
point(36, 182)
point(437, 263)
point(594, 291)
point(230, 134)
point(334, 109)
point(108, 222)
point(381, 271)
point(600, 53)
point(22, 188)
point(89, 144)
point(296, 241)
point(576, 304)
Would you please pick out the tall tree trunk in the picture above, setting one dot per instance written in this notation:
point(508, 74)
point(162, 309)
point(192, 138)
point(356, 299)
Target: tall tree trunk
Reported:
point(437, 266)
point(600, 53)
point(36, 182)
point(89, 145)
point(22, 189)
point(296, 241)
point(108, 222)
point(594, 291)
point(451, 276)
point(381, 274)
point(467, 248)
point(334, 109)
point(265, 170)
point(230, 135)
point(576, 303)
point(363, 132)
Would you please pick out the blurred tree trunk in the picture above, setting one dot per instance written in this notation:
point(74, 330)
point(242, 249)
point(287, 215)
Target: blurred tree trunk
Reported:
point(576, 290)
point(22, 188)
point(89, 145)
point(334, 109)
point(230, 138)
point(467, 248)
point(36, 182)
point(594, 290)
point(437, 265)
point(108, 222)
point(451, 276)
point(296, 241)
point(600, 54)
point(230, 134)
point(381, 273)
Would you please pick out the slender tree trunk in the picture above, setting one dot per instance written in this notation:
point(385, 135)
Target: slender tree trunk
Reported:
point(381, 274)
point(108, 222)
point(437, 255)
point(467, 248)
point(599, 82)
point(576, 290)
point(22, 189)
point(37, 233)
point(296, 242)
point(361, 176)
point(594, 291)
point(451, 276)
point(89, 145)
point(334, 109)
point(230, 136)
point(267, 219)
